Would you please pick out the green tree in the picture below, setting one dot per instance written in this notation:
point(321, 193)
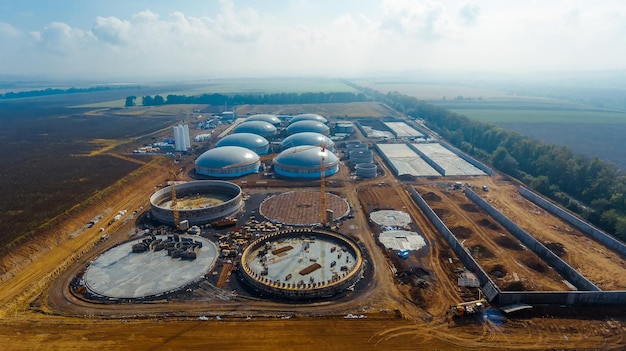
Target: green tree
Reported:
point(130, 101)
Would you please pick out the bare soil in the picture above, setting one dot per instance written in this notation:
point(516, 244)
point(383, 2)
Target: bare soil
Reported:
point(403, 304)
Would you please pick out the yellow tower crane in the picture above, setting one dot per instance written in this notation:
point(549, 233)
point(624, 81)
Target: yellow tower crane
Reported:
point(322, 214)
point(174, 201)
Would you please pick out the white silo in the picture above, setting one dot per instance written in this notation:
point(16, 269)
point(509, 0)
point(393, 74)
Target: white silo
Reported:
point(181, 137)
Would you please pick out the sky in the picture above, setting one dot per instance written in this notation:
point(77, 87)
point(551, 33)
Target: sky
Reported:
point(164, 39)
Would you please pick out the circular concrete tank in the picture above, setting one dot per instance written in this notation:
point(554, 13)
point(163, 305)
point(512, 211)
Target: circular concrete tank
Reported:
point(122, 273)
point(272, 119)
point(307, 138)
point(254, 142)
point(343, 127)
point(305, 162)
point(361, 156)
point(301, 264)
point(199, 202)
point(366, 170)
point(355, 146)
point(228, 162)
point(261, 128)
point(308, 117)
point(308, 126)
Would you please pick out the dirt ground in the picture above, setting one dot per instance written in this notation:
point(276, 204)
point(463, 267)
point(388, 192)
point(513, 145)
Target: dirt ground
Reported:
point(37, 310)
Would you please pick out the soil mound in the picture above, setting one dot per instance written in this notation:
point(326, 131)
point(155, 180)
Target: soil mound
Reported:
point(441, 212)
point(514, 286)
point(557, 248)
point(508, 243)
point(431, 197)
point(498, 271)
point(488, 224)
point(470, 208)
point(481, 251)
point(461, 232)
point(535, 264)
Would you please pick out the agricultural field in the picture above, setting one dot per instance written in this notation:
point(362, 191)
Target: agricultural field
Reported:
point(587, 129)
point(242, 86)
point(348, 110)
point(50, 159)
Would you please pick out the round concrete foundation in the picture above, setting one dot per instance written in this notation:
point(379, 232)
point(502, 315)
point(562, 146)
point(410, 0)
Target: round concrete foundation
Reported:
point(301, 264)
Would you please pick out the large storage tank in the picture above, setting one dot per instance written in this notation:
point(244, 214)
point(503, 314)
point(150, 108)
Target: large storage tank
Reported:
point(307, 138)
point(308, 117)
point(254, 142)
point(352, 146)
point(261, 128)
point(366, 170)
point(305, 162)
point(199, 202)
point(308, 126)
point(361, 156)
point(343, 127)
point(272, 119)
point(228, 161)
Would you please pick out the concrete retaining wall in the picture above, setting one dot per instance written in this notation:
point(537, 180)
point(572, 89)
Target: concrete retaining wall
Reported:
point(467, 158)
point(597, 234)
point(358, 125)
point(490, 289)
point(570, 298)
point(565, 270)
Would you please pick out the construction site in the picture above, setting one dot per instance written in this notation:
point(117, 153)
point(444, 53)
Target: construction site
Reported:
point(389, 236)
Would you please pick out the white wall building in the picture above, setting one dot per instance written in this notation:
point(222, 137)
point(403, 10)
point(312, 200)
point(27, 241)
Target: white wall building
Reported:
point(181, 137)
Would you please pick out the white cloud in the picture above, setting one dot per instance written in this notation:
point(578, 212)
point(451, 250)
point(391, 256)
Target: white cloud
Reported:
point(468, 14)
point(8, 31)
point(112, 30)
point(401, 35)
point(421, 19)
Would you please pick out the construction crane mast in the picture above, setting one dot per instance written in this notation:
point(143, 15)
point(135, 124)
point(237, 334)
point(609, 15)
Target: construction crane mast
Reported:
point(174, 201)
point(322, 214)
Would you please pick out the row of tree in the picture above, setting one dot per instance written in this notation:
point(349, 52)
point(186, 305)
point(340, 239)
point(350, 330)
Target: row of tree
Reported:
point(250, 99)
point(593, 188)
point(55, 91)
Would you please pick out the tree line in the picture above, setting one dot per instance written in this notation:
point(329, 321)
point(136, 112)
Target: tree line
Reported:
point(593, 188)
point(56, 91)
point(250, 99)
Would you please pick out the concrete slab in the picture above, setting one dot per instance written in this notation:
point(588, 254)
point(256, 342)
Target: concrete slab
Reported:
point(448, 160)
point(287, 258)
point(390, 218)
point(407, 161)
point(120, 273)
point(401, 240)
point(403, 130)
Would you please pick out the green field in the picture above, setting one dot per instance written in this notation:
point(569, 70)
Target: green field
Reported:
point(246, 86)
point(544, 116)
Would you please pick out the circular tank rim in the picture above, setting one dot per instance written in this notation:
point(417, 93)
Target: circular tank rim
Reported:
point(165, 194)
point(280, 291)
point(367, 166)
